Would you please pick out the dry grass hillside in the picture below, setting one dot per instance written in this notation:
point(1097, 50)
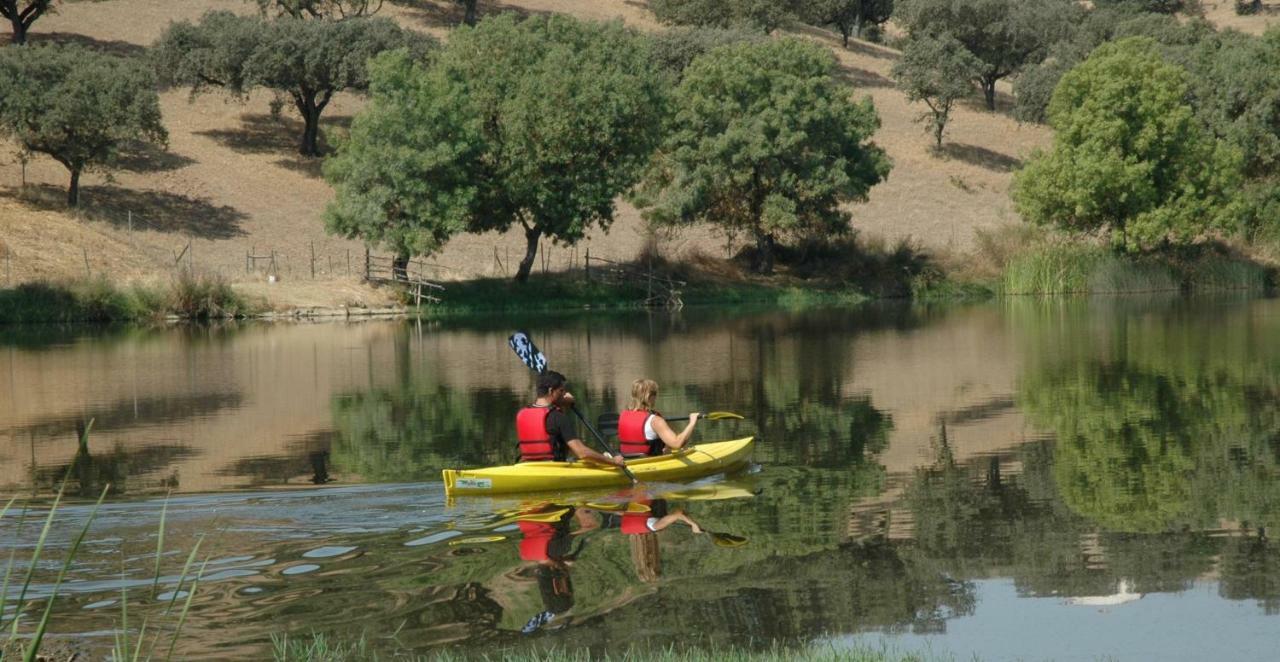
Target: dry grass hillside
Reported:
point(231, 181)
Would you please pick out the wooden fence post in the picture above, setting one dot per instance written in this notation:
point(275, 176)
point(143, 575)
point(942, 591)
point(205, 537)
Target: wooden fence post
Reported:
point(8, 276)
point(586, 264)
point(313, 259)
point(348, 261)
point(366, 262)
point(87, 274)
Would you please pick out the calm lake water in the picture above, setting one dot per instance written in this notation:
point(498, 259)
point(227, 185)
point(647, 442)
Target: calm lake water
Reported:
point(1029, 480)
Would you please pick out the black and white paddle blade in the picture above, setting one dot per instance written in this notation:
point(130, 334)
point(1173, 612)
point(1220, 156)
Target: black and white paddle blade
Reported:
point(524, 348)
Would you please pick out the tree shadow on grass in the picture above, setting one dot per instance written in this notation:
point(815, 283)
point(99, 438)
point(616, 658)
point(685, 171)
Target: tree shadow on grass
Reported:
point(979, 156)
point(449, 14)
point(147, 158)
point(110, 47)
point(150, 210)
point(863, 78)
point(262, 133)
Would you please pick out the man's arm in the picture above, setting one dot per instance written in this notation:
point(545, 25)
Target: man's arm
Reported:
point(584, 453)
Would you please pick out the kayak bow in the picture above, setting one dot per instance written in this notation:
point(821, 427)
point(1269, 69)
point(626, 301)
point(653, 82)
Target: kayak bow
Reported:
point(686, 464)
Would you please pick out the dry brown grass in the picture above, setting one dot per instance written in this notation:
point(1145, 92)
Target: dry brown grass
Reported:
point(232, 181)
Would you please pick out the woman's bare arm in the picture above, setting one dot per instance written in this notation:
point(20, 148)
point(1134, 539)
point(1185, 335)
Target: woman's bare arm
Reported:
point(668, 436)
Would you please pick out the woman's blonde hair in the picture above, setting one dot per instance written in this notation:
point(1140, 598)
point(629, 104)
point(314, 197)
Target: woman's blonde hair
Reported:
point(647, 557)
point(644, 392)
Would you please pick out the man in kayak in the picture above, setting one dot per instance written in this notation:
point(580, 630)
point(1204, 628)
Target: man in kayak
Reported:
point(545, 429)
point(643, 432)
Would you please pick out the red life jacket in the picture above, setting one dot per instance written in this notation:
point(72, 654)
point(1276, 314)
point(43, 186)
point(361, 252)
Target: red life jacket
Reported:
point(636, 522)
point(631, 441)
point(531, 430)
point(537, 539)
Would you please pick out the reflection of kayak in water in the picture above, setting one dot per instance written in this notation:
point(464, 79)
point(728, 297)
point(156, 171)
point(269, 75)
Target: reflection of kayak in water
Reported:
point(694, 462)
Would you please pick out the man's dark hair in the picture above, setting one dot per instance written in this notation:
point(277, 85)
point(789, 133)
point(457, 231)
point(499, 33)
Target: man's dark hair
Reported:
point(549, 381)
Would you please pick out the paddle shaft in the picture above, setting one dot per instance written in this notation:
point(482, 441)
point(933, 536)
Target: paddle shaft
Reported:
point(604, 444)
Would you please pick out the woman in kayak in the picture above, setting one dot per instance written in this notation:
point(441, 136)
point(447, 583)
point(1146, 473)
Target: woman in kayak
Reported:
point(644, 432)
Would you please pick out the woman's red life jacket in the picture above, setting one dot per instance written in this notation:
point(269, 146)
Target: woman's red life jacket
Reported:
point(536, 541)
point(531, 430)
point(636, 523)
point(631, 441)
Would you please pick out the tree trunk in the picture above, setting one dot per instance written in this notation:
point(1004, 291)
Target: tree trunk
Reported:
point(470, 16)
point(989, 91)
point(19, 31)
point(400, 267)
point(73, 191)
point(305, 100)
point(844, 36)
point(939, 126)
point(310, 133)
point(764, 253)
point(531, 237)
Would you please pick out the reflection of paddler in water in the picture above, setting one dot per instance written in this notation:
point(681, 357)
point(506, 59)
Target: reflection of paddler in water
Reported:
point(641, 522)
point(548, 540)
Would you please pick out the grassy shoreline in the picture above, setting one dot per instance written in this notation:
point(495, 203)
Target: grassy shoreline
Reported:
point(100, 300)
point(1045, 269)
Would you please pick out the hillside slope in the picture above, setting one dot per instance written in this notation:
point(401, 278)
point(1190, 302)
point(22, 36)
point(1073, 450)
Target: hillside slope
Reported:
point(232, 183)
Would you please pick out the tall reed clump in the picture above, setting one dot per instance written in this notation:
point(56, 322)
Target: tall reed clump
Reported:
point(1072, 268)
point(205, 297)
point(26, 646)
point(1052, 268)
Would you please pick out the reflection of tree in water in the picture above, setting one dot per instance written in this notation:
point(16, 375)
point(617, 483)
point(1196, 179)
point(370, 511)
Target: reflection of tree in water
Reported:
point(89, 473)
point(413, 431)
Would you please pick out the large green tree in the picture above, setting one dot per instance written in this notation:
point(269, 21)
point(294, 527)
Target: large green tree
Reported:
point(767, 15)
point(22, 13)
point(764, 141)
point(1006, 35)
point(1128, 155)
point(1034, 85)
point(538, 123)
point(309, 61)
point(939, 72)
point(77, 106)
point(850, 17)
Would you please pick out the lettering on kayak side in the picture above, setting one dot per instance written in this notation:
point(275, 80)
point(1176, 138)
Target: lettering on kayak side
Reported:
point(474, 484)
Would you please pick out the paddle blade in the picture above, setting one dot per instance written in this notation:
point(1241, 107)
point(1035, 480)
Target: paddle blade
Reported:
point(726, 539)
point(476, 540)
point(608, 424)
point(524, 348)
point(724, 415)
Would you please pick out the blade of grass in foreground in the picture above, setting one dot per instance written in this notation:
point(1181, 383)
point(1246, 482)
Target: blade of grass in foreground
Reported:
point(66, 564)
point(44, 533)
point(13, 554)
point(164, 510)
point(35, 559)
point(186, 567)
point(182, 618)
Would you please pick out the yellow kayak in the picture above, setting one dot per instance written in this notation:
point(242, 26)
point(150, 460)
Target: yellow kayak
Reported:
point(686, 464)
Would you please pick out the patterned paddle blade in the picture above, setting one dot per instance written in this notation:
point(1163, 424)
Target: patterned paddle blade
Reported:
point(529, 355)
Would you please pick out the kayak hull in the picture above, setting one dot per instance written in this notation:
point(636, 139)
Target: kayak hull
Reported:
point(693, 462)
